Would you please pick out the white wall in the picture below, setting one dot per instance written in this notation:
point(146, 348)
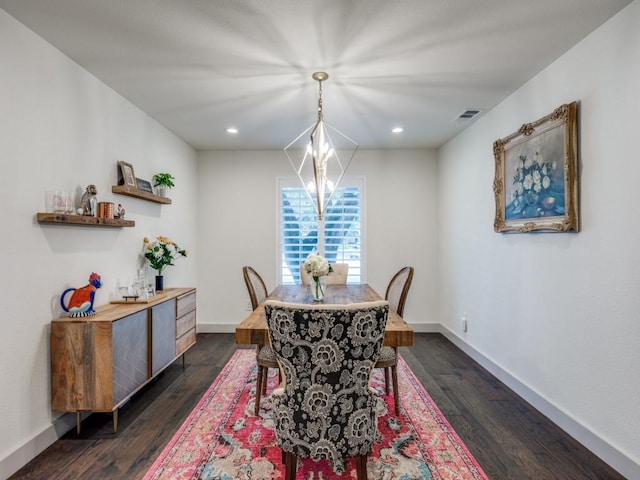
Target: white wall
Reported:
point(237, 195)
point(60, 128)
point(556, 315)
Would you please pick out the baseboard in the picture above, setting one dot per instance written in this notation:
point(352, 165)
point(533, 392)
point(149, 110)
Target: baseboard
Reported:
point(27, 452)
point(425, 327)
point(216, 327)
point(605, 451)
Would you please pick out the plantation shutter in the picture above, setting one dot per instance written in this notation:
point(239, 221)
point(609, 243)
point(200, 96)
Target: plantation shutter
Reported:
point(339, 236)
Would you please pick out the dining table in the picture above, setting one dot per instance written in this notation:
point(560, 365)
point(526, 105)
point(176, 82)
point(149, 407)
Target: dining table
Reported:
point(253, 330)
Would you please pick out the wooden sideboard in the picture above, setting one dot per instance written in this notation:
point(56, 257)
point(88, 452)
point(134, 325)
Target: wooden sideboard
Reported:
point(99, 362)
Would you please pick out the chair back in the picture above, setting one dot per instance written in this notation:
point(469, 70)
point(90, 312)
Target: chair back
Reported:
point(255, 286)
point(326, 409)
point(337, 277)
point(339, 274)
point(398, 289)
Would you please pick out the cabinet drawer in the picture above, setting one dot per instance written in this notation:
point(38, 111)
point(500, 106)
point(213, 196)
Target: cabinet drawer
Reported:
point(185, 341)
point(185, 304)
point(185, 323)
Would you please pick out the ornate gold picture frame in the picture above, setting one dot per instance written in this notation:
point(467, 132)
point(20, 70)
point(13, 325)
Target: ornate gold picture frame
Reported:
point(536, 177)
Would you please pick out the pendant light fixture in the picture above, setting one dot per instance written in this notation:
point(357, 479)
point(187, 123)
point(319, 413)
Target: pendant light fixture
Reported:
point(316, 157)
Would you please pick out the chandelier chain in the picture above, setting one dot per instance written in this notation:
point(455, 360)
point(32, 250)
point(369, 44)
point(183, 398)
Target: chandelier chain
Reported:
point(320, 100)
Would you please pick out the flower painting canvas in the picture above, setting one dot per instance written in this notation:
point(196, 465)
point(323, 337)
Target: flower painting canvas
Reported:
point(536, 175)
point(535, 169)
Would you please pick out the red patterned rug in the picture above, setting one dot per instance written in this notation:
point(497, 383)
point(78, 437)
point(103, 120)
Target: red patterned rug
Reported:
point(222, 439)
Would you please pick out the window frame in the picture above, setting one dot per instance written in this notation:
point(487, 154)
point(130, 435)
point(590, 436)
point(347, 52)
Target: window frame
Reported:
point(353, 181)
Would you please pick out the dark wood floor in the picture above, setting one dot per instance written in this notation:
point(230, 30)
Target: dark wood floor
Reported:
point(507, 436)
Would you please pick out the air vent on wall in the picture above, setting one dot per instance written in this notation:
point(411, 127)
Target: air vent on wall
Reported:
point(468, 115)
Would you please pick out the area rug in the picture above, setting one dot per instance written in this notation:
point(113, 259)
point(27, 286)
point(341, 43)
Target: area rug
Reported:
point(222, 439)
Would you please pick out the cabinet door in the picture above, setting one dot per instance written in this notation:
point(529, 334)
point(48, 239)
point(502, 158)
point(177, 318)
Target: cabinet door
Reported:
point(130, 354)
point(163, 335)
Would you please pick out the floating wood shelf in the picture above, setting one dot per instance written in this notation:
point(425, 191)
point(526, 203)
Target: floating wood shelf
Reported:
point(136, 193)
point(62, 218)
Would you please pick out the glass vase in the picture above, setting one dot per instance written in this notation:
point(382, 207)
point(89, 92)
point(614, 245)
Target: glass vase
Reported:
point(317, 288)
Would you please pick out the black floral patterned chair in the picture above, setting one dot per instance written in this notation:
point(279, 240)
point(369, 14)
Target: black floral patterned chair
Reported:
point(324, 409)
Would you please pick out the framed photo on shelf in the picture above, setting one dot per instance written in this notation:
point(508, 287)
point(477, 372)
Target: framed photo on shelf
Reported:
point(144, 185)
point(536, 175)
point(126, 174)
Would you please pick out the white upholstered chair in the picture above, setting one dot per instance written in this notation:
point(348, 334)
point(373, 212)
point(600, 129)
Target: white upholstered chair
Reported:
point(337, 277)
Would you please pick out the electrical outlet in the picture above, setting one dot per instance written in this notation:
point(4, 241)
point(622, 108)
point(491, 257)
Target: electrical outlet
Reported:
point(247, 306)
point(464, 322)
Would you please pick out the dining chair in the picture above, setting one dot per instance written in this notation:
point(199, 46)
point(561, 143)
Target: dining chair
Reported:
point(265, 359)
point(324, 408)
point(396, 294)
point(337, 277)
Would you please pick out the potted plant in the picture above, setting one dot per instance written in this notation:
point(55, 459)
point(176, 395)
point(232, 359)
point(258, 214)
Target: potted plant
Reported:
point(163, 182)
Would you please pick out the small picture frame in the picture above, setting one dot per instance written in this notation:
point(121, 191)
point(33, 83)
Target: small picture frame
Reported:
point(144, 185)
point(126, 175)
point(536, 175)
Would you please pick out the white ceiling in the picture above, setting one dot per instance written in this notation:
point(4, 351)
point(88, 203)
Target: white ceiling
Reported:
point(199, 66)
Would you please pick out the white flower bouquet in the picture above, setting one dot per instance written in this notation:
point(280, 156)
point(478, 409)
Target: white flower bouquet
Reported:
point(317, 266)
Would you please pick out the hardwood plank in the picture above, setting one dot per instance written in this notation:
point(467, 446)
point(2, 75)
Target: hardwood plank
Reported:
point(509, 438)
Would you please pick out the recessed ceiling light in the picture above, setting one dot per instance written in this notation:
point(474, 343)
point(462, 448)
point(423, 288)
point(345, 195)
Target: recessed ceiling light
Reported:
point(397, 130)
point(232, 130)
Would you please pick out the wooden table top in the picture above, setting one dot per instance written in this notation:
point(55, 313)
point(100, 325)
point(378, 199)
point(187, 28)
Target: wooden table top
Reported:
point(253, 329)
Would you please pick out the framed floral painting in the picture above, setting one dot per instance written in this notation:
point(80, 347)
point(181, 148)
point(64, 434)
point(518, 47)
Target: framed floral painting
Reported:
point(536, 177)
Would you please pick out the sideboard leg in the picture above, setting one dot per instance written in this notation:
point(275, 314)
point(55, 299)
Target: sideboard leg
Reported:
point(78, 420)
point(183, 362)
point(115, 420)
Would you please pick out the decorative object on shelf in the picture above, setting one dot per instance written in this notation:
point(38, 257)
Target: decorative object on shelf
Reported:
point(161, 253)
point(126, 174)
point(319, 167)
point(57, 201)
point(81, 302)
point(536, 176)
point(144, 185)
point(89, 202)
point(119, 213)
point(105, 210)
point(318, 267)
point(163, 182)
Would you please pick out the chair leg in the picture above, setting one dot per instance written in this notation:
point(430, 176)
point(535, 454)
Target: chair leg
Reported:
point(258, 390)
point(265, 378)
point(290, 466)
point(387, 380)
point(361, 467)
point(396, 392)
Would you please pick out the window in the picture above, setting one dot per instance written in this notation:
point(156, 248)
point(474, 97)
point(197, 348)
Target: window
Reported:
point(340, 235)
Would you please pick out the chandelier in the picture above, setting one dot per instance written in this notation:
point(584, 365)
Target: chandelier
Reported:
point(316, 158)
